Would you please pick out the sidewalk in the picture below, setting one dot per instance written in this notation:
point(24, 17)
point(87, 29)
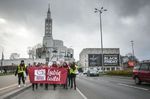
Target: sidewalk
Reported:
point(41, 93)
point(12, 89)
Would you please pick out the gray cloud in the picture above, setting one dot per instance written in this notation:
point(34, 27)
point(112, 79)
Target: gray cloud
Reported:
point(129, 7)
point(75, 22)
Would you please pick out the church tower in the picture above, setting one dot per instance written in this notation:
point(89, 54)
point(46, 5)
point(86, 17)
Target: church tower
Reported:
point(48, 38)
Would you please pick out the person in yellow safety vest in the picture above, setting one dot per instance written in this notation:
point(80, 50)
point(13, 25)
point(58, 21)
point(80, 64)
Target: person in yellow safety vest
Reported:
point(73, 70)
point(21, 71)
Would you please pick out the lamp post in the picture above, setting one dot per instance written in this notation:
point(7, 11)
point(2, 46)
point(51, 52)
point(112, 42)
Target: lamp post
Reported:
point(100, 11)
point(2, 59)
point(132, 44)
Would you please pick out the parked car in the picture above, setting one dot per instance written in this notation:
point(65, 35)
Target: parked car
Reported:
point(141, 73)
point(85, 70)
point(92, 72)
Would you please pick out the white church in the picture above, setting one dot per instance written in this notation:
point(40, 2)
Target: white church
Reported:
point(52, 49)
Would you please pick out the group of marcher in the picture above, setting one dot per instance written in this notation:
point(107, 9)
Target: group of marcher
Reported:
point(22, 72)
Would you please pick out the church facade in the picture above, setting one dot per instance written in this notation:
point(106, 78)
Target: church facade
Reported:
point(52, 49)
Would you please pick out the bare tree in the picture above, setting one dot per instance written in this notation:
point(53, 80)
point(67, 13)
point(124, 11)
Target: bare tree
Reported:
point(14, 56)
point(32, 50)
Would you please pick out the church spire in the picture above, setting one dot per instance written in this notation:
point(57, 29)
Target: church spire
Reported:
point(48, 23)
point(49, 8)
point(49, 12)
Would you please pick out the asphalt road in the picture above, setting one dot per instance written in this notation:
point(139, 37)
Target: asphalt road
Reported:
point(41, 93)
point(104, 87)
point(112, 88)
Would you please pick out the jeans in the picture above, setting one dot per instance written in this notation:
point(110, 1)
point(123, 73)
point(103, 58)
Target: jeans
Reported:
point(73, 80)
point(21, 77)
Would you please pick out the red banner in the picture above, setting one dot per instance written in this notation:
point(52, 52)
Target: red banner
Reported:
point(50, 75)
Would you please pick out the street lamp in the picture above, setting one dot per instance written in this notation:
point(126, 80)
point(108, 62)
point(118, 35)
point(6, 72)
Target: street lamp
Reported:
point(2, 59)
point(100, 11)
point(132, 44)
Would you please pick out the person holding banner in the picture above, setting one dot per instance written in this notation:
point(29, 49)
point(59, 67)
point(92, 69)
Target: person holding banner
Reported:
point(21, 71)
point(67, 68)
point(54, 65)
point(73, 70)
point(46, 84)
point(69, 77)
point(34, 84)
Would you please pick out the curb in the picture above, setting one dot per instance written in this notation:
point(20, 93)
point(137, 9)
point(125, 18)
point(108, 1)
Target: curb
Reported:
point(15, 92)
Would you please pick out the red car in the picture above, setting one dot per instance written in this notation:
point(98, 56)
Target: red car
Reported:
point(141, 73)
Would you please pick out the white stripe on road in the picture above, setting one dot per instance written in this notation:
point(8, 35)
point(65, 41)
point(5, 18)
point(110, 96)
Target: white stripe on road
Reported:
point(82, 94)
point(133, 87)
point(8, 87)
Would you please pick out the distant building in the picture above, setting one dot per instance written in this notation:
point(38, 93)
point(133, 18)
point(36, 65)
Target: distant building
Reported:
point(53, 50)
point(129, 61)
point(27, 61)
point(11, 64)
point(92, 57)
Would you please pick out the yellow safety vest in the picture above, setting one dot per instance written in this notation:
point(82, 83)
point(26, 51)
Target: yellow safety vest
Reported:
point(21, 69)
point(73, 71)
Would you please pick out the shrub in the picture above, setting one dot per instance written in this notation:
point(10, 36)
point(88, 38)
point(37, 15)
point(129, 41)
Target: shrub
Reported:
point(120, 72)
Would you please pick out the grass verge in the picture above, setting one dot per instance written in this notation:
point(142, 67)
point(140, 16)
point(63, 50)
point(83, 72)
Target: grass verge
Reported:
point(127, 73)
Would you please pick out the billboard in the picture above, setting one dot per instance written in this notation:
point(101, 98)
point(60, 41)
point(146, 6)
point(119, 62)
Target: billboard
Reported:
point(95, 59)
point(108, 59)
point(111, 59)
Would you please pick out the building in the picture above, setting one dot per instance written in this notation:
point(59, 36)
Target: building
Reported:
point(92, 57)
point(11, 64)
point(53, 50)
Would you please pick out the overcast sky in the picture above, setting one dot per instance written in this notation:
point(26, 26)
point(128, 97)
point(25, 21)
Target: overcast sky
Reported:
point(74, 22)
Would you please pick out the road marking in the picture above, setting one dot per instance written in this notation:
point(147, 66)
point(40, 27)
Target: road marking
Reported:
point(8, 87)
point(82, 94)
point(133, 87)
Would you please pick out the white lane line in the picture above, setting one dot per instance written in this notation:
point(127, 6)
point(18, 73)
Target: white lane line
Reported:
point(133, 87)
point(8, 87)
point(82, 94)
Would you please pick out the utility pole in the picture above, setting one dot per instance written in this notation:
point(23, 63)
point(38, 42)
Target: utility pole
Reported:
point(100, 11)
